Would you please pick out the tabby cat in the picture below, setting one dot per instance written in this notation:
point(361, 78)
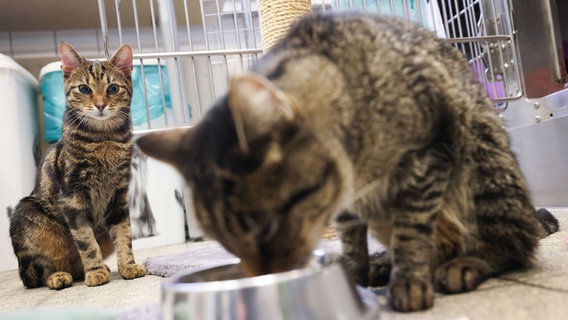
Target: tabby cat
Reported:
point(77, 213)
point(379, 124)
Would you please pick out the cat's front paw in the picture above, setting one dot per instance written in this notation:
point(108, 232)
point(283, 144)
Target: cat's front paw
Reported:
point(410, 294)
point(97, 277)
point(59, 280)
point(131, 271)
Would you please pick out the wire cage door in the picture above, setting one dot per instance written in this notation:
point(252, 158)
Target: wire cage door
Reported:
point(481, 29)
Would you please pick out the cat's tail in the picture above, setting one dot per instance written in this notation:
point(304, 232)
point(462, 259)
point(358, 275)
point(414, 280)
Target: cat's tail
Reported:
point(548, 221)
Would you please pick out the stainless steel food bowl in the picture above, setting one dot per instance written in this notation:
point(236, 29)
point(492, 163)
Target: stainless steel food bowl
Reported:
point(318, 292)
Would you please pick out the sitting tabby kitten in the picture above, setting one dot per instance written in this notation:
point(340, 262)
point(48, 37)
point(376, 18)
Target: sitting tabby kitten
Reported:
point(379, 124)
point(78, 212)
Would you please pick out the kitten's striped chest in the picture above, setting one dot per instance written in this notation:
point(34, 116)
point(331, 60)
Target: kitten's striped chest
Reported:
point(101, 169)
point(110, 155)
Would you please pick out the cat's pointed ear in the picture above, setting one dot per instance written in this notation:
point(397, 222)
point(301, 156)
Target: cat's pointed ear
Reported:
point(122, 58)
point(70, 59)
point(257, 106)
point(166, 145)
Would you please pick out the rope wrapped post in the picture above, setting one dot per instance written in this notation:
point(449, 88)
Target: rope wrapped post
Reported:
point(276, 16)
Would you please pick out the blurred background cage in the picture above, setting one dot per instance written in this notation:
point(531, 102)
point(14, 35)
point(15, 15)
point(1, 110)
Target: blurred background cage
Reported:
point(186, 50)
point(201, 44)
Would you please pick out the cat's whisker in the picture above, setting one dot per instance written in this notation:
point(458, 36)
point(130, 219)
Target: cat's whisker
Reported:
point(251, 224)
point(82, 119)
point(365, 190)
point(273, 226)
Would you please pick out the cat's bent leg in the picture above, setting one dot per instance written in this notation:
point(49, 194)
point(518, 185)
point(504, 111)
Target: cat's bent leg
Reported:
point(508, 229)
point(119, 223)
point(43, 246)
point(353, 234)
point(421, 185)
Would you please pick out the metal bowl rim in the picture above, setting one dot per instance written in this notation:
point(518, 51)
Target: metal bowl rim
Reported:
point(243, 283)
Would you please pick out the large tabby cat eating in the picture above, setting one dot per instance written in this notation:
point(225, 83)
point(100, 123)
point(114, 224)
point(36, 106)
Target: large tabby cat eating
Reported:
point(377, 123)
point(78, 212)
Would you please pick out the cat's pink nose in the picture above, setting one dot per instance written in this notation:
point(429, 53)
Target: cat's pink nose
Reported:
point(100, 102)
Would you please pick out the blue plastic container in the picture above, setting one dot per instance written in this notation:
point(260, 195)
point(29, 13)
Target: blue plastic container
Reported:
point(51, 84)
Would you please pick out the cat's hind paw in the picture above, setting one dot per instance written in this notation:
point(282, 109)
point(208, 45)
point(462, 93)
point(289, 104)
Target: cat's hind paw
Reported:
point(59, 280)
point(97, 277)
point(131, 271)
point(380, 266)
point(410, 294)
point(461, 274)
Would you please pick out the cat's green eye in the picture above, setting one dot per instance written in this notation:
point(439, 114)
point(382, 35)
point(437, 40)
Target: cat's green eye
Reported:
point(112, 89)
point(84, 89)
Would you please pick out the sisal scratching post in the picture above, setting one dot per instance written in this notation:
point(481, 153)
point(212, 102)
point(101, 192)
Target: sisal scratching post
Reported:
point(275, 19)
point(276, 16)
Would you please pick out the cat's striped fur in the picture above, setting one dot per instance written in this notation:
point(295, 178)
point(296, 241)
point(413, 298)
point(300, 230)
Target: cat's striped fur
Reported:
point(378, 123)
point(77, 213)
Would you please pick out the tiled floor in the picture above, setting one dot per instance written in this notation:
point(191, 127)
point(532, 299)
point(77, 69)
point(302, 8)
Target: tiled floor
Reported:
point(538, 293)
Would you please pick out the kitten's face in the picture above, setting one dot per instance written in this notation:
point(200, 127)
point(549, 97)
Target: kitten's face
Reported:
point(98, 93)
point(265, 194)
